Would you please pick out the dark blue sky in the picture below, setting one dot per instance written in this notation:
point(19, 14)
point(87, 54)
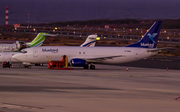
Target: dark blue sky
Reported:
point(70, 10)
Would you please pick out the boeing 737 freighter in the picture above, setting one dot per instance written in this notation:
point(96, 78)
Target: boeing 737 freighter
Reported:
point(7, 56)
point(85, 56)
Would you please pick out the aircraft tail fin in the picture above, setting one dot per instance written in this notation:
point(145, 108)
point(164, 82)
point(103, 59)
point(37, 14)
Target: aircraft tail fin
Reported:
point(90, 41)
point(38, 41)
point(150, 39)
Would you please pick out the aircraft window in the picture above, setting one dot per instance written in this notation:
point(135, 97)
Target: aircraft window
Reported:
point(23, 51)
point(83, 52)
point(79, 52)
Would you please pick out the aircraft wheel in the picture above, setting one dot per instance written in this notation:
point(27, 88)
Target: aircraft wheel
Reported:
point(92, 67)
point(29, 66)
point(86, 66)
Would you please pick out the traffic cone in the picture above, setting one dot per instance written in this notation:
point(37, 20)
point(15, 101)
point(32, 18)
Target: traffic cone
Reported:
point(127, 69)
point(12, 66)
point(167, 68)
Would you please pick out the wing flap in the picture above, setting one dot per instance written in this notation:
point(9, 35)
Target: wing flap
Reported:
point(99, 59)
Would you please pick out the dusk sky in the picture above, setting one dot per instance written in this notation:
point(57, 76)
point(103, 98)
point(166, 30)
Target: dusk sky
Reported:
point(70, 10)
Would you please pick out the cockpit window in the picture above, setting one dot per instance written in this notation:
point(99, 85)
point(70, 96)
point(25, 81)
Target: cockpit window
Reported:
point(23, 51)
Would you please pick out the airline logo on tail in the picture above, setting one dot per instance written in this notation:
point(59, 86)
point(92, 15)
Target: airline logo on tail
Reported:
point(38, 41)
point(90, 41)
point(88, 44)
point(152, 36)
point(147, 45)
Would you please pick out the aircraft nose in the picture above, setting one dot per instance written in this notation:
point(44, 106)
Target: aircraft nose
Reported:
point(17, 57)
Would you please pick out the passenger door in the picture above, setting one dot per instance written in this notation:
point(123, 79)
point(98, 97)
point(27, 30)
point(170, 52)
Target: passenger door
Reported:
point(35, 52)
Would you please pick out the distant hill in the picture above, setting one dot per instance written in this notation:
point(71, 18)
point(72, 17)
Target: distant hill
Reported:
point(120, 23)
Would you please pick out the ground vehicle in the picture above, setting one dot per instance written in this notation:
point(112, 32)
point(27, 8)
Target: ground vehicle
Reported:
point(6, 64)
point(59, 65)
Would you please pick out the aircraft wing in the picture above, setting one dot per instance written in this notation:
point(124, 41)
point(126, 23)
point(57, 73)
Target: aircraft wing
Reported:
point(154, 50)
point(99, 59)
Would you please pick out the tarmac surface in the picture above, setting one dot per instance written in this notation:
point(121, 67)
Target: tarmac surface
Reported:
point(108, 88)
point(157, 61)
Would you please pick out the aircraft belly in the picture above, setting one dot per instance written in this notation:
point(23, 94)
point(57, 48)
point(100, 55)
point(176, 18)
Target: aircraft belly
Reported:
point(6, 58)
point(118, 60)
point(1, 57)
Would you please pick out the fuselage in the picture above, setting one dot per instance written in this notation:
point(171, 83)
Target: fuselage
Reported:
point(7, 56)
point(8, 47)
point(45, 54)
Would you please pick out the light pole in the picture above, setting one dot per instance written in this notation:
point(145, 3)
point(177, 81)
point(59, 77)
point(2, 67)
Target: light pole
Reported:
point(28, 20)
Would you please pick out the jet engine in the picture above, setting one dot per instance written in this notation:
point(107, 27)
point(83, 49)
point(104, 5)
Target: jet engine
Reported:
point(78, 62)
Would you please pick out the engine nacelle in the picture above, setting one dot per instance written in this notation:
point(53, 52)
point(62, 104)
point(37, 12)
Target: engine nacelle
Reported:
point(78, 62)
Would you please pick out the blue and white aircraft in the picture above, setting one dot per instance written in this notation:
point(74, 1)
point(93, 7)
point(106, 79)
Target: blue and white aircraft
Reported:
point(7, 56)
point(90, 41)
point(85, 56)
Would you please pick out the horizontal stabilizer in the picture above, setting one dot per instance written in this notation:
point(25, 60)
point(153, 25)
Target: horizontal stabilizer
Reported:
point(154, 50)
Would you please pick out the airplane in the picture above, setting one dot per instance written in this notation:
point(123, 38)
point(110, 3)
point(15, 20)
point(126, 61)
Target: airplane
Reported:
point(85, 56)
point(15, 47)
point(7, 56)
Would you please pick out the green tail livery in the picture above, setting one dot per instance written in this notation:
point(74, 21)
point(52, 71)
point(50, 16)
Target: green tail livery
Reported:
point(38, 41)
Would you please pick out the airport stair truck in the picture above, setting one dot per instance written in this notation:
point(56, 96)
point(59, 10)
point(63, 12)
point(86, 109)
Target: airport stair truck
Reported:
point(59, 65)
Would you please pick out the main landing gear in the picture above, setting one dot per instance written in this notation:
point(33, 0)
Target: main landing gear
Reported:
point(25, 65)
point(91, 66)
